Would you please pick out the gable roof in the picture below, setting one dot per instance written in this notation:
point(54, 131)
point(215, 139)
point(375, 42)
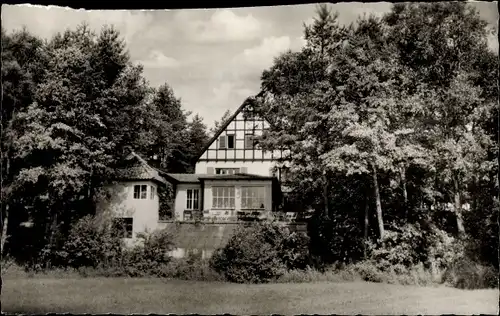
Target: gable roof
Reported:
point(141, 170)
point(228, 121)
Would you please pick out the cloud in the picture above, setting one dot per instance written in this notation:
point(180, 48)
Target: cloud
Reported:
point(157, 59)
point(47, 21)
point(222, 26)
point(262, 55)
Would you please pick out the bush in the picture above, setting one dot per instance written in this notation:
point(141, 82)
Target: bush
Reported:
point(465, 273)
point(313, 275)
point(149, 256)
point(260, 253)
point(193, 269)
point(90, 244)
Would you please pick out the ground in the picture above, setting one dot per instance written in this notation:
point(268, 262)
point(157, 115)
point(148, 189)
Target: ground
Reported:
point(127, 296)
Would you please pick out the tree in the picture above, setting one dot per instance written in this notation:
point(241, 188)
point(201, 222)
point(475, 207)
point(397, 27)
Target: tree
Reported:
point(171, 130)
point(90, 104)
point(444, 45)
point(196, 139)
point(23, 62)
point(222, 121)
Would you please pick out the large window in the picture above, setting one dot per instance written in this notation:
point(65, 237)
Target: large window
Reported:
point(223, 197)
point(141, 191)
point(192, 199)
point(123, 226)
point(226, 142)
point(226, 170)
point(153, 192)
point(253, 197)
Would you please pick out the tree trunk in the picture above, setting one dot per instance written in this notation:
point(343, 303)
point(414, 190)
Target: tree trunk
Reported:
point(458, 207)
point(378, 204)
point(325, 196)
point(405, 192)
point(367, 209)
point(5, 223)
point(5, 206)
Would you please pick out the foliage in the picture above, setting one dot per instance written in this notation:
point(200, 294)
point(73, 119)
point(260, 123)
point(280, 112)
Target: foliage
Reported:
point(72, 107)
point(220, 123)
point(150, 255)
point(91, 244)
point(259, 253)
point(464, 273)
point(401, 104)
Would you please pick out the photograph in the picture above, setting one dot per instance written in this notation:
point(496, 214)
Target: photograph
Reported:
point(303, 158)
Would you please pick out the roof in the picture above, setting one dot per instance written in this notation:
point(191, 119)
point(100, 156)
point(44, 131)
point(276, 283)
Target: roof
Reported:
point(140, 170)
point(196, 178)
point(228, 121)
point(182, 177)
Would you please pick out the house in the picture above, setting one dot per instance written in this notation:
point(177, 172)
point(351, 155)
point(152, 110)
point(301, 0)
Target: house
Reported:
point(234, 179)
point(132, 200)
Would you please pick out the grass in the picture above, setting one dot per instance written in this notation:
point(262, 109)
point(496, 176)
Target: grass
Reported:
point(126, 296)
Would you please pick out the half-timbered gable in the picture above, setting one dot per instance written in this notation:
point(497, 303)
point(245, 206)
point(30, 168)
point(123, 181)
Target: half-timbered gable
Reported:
point(235, 149)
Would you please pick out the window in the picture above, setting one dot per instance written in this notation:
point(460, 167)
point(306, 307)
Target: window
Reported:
point(223, 197)
point(226, 141)
point(249, 141)
point(141, 192)
point(192, 199)
point(226, 170)
point(153, 189)
point(253, 197)
point(124, 226)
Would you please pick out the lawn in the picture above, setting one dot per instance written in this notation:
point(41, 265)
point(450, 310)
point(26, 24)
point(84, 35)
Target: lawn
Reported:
point(126, 296)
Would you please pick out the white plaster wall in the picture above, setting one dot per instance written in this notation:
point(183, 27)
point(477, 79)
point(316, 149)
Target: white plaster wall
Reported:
point(120, 202)
point(181, 199)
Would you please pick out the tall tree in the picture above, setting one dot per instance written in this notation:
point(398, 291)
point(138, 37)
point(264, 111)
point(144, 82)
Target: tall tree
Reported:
point(90, 104)
point(23, 61)
point(222, 121)
point(443, 44)
point(197, 138)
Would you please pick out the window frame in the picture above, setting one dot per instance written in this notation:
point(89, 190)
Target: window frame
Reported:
point(230, 195)
point(152, 192)
point(226, 141)
point(192, 199)
point(232, 171)
point(260, 198)
point(142, 193)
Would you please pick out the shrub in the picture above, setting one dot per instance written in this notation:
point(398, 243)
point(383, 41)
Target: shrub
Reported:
point(314, 275)
point(150, 255)
point(336, 238)
point(90, 244)
point(294, 250)
point(465, 273)
point(259, 253)
point(403, 248)
point(193, 269)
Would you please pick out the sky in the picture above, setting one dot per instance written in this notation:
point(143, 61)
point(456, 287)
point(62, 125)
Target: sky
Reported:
point(212, 58)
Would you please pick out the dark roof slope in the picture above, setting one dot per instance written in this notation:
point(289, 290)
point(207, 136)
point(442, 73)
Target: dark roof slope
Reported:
point(138, 169)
